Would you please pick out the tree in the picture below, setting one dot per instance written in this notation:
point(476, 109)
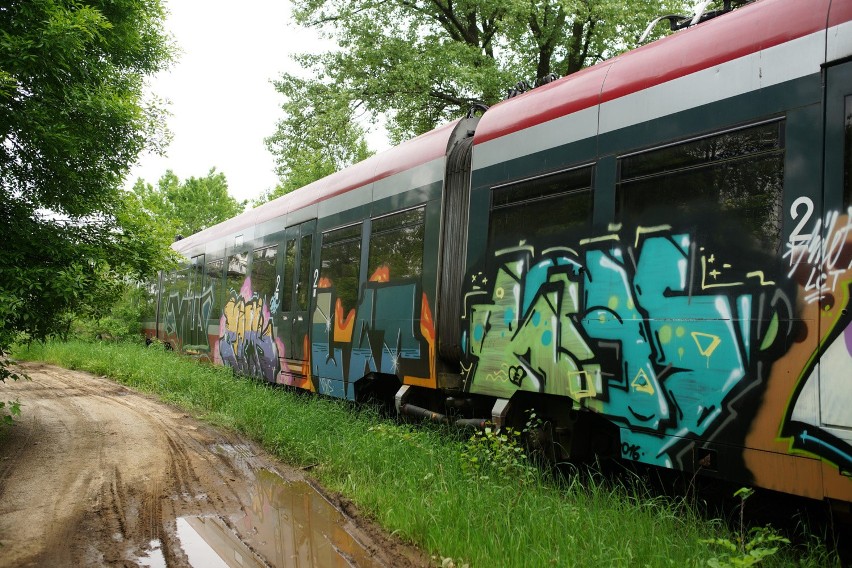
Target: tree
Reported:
point(189, 206)
point(73, 119)
point(320, 135)
point(420, 63)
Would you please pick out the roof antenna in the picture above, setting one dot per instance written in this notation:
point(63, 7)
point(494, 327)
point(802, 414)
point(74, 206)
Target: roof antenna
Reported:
point(676, 22)
point(699, 11)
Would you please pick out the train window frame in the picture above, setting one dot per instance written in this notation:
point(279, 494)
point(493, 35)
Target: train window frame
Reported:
point(382, 231)
point(635, 205)
point(215, 280)
point(228, 273)
point(847, 152)
point(290, 250)
point(269, 288)
point(303, 286)
point(197, 280)
point(586, 190)
point(325, 244)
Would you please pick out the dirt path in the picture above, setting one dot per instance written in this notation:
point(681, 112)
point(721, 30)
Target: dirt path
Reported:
point(94, 474)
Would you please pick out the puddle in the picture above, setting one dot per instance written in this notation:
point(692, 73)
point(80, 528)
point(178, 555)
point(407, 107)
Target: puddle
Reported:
point(288, 525)
point(155, 558)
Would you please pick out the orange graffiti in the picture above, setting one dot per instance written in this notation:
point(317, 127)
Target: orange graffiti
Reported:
point(343, 326)
point(382, 274)
point(306, 382)
point(427, 329)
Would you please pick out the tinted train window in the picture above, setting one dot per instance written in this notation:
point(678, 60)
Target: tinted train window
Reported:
point(149, 299)
point(214, 281)
point(237, 269)
point(197, 274)
point(541, 211)
point(303, 292)
point(168, 286)
point(289, 274)
point(263, 272)
point(847, 154)
point(738, 173)
point(182, 283)
point(396, 244)
point(341, 263)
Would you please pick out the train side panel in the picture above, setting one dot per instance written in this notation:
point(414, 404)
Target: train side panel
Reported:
point(324, 287)
point(686, 276)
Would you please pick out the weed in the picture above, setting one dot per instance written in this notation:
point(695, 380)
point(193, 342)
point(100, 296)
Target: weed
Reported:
point(489, 452)
point(749, 547)
point(477, 499)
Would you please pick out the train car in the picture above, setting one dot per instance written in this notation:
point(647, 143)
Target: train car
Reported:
point(654, 254)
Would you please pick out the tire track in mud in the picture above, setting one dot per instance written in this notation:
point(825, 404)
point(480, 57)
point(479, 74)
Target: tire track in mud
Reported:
point(94, 474)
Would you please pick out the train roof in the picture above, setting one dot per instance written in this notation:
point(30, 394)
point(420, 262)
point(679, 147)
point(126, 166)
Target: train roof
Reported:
point(750, 29)
point(746, 31)
point(410, 154)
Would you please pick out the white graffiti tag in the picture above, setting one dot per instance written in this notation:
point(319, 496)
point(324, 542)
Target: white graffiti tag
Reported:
point(819, 259)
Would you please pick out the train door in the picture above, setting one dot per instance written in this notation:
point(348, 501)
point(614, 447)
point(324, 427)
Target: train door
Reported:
point(296, 295)
point(835, 389)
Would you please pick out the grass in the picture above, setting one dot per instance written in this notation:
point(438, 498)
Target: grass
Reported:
point(422, 483)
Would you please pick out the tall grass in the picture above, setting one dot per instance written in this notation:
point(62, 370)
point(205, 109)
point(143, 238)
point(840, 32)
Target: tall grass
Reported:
point(418, 483)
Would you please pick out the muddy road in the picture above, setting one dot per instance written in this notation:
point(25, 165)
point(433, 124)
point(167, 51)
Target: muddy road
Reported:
point(94, 474)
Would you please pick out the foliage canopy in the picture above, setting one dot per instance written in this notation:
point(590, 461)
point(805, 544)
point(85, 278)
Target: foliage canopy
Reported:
point(73, 119)
point(420, 63)
point(188, 206)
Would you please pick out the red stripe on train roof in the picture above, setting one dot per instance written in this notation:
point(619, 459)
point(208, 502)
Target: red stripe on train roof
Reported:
point(747, 30)
point(841, 11)
point(410, 154)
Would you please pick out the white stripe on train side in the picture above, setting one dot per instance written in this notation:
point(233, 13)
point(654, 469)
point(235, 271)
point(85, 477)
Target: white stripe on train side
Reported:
point(778, 64)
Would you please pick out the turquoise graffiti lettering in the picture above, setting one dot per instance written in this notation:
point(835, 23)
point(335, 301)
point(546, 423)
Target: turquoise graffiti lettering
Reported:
point(659, 334)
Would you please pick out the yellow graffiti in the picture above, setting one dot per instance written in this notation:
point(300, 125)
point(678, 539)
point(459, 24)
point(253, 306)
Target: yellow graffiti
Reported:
point(761, 276)
point(649, 230)
point(243, 317)
point(599, 239)
point(641, 383)
point(706, 342)
point(581, 386)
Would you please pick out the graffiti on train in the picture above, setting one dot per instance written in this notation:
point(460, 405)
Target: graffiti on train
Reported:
point(654, 330)
point(820, 258)
point(818, 421)
point(186, 318)
point(390, 331)
point(247, 341)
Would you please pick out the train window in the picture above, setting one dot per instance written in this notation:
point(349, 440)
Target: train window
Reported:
point(289, 273)
point(263, 276)
point(237, 265)
point(196, 274)
point(149, 299)
point(847, 155)
point(341, 261)
point(738, 173)
point(168, 287)
point(182, 283)
point(396, 244)
point(558, 203)
point(214, 282)
point(303, 291)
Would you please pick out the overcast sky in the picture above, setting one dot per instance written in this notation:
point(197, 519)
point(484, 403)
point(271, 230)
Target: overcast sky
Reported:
point(223, 104)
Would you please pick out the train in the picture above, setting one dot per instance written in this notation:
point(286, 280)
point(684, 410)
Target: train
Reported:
point(653, 255)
